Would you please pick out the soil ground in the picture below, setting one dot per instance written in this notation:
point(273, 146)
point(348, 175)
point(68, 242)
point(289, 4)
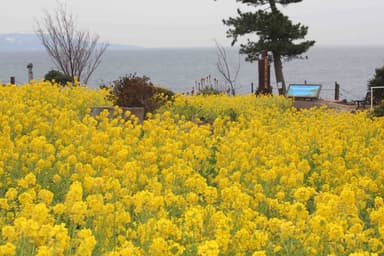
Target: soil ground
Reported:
point(337, 105)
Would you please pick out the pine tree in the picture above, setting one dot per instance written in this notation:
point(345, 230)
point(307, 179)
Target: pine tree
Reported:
point(276, 34)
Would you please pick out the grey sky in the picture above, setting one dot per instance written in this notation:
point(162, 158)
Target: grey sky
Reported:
point(195, 23)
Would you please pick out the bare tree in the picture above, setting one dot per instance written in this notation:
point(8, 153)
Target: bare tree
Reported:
point(76, 53)
point(225, 69)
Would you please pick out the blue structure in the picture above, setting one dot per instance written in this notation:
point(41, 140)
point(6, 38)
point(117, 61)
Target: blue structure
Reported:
point(308, 91)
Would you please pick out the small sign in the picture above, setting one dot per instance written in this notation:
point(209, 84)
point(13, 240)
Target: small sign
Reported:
point(304, 90)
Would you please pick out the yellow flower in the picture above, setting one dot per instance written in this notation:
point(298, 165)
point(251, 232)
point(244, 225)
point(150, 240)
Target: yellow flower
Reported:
point(46, 196)
point(56, 178)
point(208, 175)
point(7, 249)
point(259, 253)
point(9, 233)
point(302, 194)
point(4, 204)
point(86, 242)
point(78, 212)
point(208, 248)
point(159, 247)
point(336, 232)
point(30, 179)
point(59, 209)
point(40, 214)
point(44, 251)
point(75, 194)
point(26, 198)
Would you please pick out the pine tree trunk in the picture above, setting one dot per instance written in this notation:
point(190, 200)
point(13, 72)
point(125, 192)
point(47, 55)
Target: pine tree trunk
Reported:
point(277, 59)
point(272, 4)
point(279, 73)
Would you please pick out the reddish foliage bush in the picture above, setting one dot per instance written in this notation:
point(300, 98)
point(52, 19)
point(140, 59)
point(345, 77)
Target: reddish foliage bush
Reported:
point(135, 91)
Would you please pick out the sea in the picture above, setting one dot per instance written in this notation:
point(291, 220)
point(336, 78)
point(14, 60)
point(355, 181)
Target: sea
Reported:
point(180, 69)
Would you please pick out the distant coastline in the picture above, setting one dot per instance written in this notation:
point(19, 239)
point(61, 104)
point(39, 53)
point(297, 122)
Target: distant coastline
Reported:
point(24, 42)
point(30, 42)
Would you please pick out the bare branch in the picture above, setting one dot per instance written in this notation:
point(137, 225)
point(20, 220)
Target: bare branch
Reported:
point(75, 53)
point(224, 68)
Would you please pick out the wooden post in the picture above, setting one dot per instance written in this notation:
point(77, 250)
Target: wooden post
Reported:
point(372, 98)
point(252, 88)
point(30, 72)
point(13, 81)
point(264, 74)
point(337, 91)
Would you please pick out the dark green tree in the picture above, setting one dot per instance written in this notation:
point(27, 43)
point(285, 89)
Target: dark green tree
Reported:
point(276, 34)
point(377, 80)
point(58, 77)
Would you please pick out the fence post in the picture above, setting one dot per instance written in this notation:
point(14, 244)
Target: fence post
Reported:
point(13, 81)
point(252, 87)
point(30, 72)
point(371, 98)
point(337, 91)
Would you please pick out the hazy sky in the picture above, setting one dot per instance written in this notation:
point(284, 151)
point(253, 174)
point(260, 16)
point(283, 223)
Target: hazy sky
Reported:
point(196, 23)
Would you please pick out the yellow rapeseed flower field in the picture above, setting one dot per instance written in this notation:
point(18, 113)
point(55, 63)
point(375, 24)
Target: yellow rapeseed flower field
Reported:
point(206, 175)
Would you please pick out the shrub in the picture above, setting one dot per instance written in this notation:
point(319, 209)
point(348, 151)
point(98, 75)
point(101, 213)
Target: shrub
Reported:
point(377, 80)
point(209, 91)
point(58, 77)
point(135, 91)
point(211, 86)
point(379, 110)
point(165, 92)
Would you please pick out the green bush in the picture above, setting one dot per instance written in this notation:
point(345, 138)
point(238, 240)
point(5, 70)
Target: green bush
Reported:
point(58, 77)
point(209, 91)
point(135, 91)
point(379, 110)
point(168, 94)
point(377, 80)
